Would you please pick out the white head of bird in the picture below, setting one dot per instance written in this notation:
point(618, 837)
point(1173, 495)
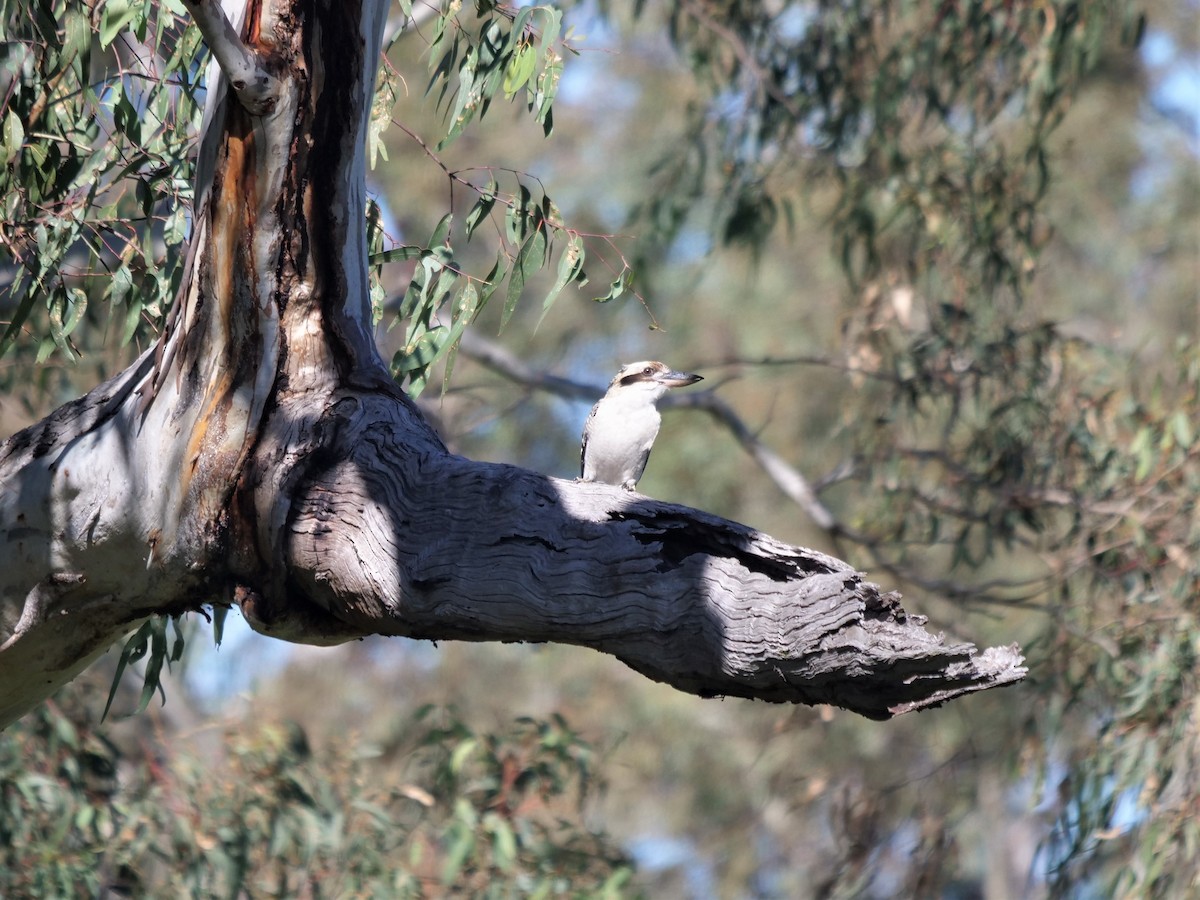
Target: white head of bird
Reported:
point(621, 428)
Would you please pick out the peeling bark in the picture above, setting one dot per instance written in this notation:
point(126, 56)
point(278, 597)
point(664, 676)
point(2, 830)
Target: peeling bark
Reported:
point(261, 455)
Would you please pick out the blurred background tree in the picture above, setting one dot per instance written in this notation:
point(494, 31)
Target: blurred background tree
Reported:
point(942, 258)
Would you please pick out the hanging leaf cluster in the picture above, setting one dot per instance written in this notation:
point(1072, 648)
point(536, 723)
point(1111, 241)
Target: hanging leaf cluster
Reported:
point(442, 299)
point(149, 643)
point(501, 52)
point(507, 53)
point(99, 117)
point(930, 120)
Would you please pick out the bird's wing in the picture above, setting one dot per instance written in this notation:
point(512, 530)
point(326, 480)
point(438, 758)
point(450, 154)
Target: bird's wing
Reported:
point(641, 465)
point(584, 440)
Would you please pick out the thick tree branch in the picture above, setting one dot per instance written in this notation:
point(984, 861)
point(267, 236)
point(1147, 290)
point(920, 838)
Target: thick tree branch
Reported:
point(256, 89)
point(392, 538)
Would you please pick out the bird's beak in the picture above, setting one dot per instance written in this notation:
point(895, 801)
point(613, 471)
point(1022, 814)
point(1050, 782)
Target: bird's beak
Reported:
point(678, 379)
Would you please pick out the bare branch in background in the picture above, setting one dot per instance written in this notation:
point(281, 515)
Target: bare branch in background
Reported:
point(786, 477)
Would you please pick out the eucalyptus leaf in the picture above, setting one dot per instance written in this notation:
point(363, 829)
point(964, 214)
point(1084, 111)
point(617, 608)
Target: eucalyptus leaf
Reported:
point(529, 259)
point(570, 268)
point(616, 289)
point(481, 209)
point(13, 137)
point(403, 253)
point(520, 69)
point(441, 231)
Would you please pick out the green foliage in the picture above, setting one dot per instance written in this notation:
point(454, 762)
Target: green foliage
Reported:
point(1134, 551)
point(990, 459)
point(499, 52)
point(56, 787)
point(502, 53)
point(929, 121)
point(983, 453)
point(96, 175)
point(530, 232)
point(1046, 464)
point(149, 642)
point(447, 810)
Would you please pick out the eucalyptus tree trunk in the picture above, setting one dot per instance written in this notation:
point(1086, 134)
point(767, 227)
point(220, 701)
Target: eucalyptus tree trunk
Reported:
point(262, 455)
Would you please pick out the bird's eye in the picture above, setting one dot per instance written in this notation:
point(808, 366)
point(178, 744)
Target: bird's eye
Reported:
point(647, 371)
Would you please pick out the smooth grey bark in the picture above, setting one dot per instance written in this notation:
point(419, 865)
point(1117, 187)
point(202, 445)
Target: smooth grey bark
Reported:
point(261, 455)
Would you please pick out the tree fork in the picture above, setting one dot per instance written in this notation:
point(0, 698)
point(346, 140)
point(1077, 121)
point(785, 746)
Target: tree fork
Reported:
point(262, 455)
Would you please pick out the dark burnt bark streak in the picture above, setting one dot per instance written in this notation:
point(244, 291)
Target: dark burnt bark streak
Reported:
point(330, 196)
point(316, 219)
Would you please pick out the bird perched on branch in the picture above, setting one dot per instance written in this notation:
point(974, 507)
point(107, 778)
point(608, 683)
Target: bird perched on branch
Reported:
point(621, 428)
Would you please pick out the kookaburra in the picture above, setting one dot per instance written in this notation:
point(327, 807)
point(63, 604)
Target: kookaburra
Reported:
point(621, 428)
